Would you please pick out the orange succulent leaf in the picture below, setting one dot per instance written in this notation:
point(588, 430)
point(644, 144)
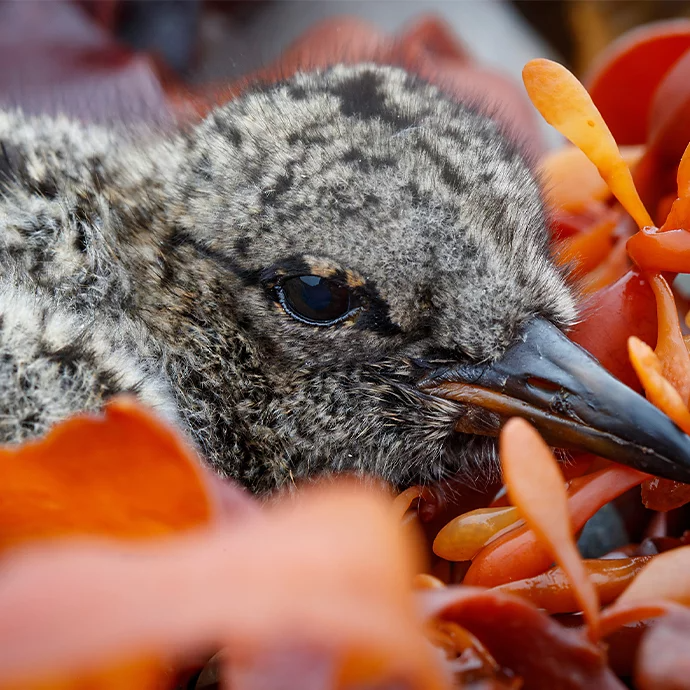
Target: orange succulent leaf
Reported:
point(669, 129)
point(537, 489)
point(612, 268)
point(678, 216)
point(659, 390)
point(611, 316)
point(565, 104)
point(520, 637)
point(124, 474)
point(661, 372)
point(464, 536)
point(142, 673)
point(518, 554)
point(683, 176)
point(553, 592)
point(586, 250)
point(623, 613)
point(668, 133)
point(670, 346)
point(662, 659)
point(337, 551)
point(624, 78)
point(654, 250)
point(572, 181)
point(663, 495)
point(664, 577)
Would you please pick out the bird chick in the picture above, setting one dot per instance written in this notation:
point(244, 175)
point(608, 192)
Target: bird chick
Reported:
point(291, 281)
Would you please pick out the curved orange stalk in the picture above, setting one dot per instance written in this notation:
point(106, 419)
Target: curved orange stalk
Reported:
point(565, 104)
point(536, 487)
point(683, 177)
point(670, 346)
point(667, 369)
point(611, 269)
point(404, 500)
point(665, 577)
point(518, 554)
point(587, 250)
point(626, 612)
point(654, 250)
point(553, 591)
point(679, 214)
point(659, 391)
point(464, 536)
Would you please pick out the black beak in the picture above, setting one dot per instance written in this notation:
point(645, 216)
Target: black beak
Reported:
point(572, 400)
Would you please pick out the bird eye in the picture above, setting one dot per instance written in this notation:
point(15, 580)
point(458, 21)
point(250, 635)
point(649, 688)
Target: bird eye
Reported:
point(315, 300)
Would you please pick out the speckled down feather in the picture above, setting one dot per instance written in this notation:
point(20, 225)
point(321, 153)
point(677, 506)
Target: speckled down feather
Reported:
point(145, 263)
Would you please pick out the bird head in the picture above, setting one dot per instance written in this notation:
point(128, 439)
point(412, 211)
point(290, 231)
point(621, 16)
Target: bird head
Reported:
point(382, 295)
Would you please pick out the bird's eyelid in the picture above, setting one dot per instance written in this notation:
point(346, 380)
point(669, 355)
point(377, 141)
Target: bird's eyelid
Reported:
point(295, 266)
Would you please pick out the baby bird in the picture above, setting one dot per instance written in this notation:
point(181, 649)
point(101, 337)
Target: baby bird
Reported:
point(345, 271)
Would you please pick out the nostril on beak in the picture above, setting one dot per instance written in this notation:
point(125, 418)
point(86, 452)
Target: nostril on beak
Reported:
point(543, 384)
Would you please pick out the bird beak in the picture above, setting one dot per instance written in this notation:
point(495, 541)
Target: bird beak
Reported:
point(571, 399)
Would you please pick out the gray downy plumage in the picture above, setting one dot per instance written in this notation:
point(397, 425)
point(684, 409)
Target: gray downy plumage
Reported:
point(153, 265)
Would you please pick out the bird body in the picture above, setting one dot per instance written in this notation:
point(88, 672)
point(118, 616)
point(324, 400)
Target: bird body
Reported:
point(278, 278)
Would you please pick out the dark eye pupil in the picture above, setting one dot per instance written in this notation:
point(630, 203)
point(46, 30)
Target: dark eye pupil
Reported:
point(316, 300)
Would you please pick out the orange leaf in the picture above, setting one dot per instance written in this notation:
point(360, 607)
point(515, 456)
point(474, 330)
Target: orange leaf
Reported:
point(537, 648)
point(588, 249)
point(553, 592)
point(571, 180)
point(679, 213)
point(659, 391)
point(627, 308)
point(536, 488)
point(625, 76)
point(665, 577)
point(342, 586)
point(463, 537)
point(665, 376)
point(124, 475)
point(611, 269)
point(565, 104)
point(663, 494)
point(678, 216)
point(683, 176)
point(654, 250)
point(626, 612)
point(670, 346)
point(518, 554)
